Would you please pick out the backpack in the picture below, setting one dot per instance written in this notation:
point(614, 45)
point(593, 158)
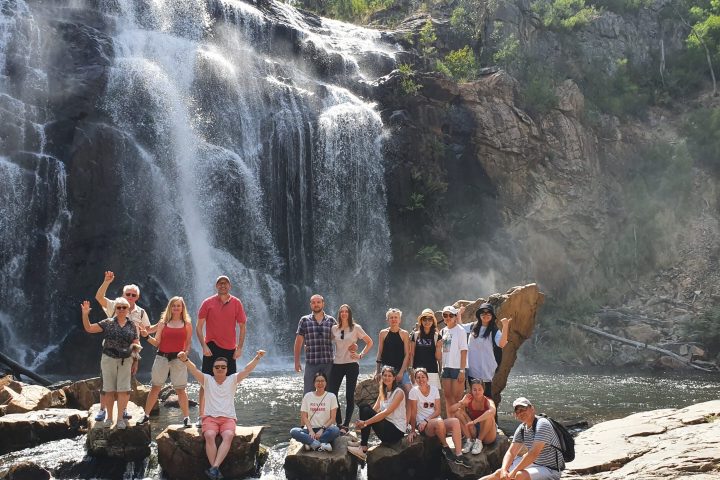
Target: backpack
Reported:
point(567, 442)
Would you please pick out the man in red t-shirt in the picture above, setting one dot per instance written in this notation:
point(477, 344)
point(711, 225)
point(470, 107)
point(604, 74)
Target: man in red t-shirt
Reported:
point(222, 315)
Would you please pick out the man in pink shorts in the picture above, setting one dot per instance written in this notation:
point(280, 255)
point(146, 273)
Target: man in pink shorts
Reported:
point(220, 416)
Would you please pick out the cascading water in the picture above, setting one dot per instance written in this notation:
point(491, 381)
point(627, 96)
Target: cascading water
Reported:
point(234, 145)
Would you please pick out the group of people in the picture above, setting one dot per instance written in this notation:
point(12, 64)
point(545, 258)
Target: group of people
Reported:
point(412, 368)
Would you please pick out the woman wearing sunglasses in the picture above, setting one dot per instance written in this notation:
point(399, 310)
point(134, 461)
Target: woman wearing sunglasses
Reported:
point(426, 347)
point(119, 355)
point(424, 413)
point(345, 335)
point(454, 355)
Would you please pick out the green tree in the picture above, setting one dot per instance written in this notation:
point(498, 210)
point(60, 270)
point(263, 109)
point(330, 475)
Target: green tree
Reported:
point(459, 64)
point(564, 14)
point(427, 39)
point(407, 84)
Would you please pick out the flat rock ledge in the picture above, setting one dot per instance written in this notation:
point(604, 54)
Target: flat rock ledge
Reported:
point(338, 464)
point(423, 459)
point(23, 430)
point(83, 394)
point(132, 443)
point(181, 453)
point(660, 444)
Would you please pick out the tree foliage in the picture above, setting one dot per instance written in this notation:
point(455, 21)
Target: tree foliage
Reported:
point(459, 64)
point(564, 14)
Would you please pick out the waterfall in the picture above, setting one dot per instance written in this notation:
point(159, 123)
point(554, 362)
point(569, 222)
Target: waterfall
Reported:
point(228, 138)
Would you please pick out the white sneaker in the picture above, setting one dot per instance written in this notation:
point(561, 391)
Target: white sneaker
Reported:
point(358, 452)
point(121, 424)
point(467, 445)
point(306, 447)
point(477, 447)
point(325, 447)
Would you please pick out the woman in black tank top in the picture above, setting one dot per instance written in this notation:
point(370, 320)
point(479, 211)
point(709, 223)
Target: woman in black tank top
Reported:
point(394, 348)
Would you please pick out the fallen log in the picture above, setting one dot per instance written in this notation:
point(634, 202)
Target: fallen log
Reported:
point(18, 369)
point(637, 344)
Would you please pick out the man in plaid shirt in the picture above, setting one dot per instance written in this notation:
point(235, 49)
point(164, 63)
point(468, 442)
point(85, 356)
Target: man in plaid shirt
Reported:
point(314, 331)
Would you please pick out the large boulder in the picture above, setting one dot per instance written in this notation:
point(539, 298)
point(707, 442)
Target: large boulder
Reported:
point(660, 444)
point(22, 430)
point(132, 443)
point(423, 459)
point(85, 393)
point(337, 464)
point(21, 398)
point(28, 471)
point(181, 453)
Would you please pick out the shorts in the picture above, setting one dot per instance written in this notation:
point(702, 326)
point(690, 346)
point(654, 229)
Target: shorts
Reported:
point(405, 379)
point(208, 362)
point(175, 368)
point(451, 373)
point(116, 374)
point(538, 472)
point(218, 424)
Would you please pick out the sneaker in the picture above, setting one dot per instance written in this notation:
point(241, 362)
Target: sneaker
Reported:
point(477, 447)
point(126, 415)
point(325, 447)
point(306, 447)
point(315, 445)
point(145, 418)
point(108, 422)
point(358, 452)
point(198, 425)
point(214, 473)
point(448, 454)
point(121, 424)
point(460, 460)
point(100, 417)
point(186, 422)
point(467, 445)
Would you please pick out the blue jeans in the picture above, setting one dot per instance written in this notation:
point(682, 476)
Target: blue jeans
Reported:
point(302, 435)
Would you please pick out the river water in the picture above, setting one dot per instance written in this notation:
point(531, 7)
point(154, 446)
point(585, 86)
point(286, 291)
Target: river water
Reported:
point(271, 397)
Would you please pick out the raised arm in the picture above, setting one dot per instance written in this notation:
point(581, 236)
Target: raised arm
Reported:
point(505, 322)
point(102, 290)
point(89, 327)
point(250, 366)
point(192, 368)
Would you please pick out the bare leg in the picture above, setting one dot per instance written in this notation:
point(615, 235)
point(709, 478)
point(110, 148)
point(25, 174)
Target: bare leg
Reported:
point(122, 401)
point(210, 448)
point(201, 402)
point(436, 428)
point(457, 390)
point(494, 476)
point(109, 401)
point(488, 431)
point(227, 438)
point(447, 392)
point(183, 401)
point(453, 425)
point(462, 416)
point(152, 398)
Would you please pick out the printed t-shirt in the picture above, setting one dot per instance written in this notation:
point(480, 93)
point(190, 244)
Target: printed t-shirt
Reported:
point(220, 398)
point(342, 354)
point(117, 339)
point(318, 408)
point(425, 404)
point(220, 320)
point(454, 341)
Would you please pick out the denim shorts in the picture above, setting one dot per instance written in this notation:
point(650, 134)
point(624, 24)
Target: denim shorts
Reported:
point(452, 373)
point(406, 379)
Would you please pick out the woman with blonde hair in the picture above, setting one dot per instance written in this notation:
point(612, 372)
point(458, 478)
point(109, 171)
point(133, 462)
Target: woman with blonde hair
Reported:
point(174, 334)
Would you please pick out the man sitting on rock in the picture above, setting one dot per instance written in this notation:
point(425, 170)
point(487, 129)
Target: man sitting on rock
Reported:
point(220, 416)
point(543, 460)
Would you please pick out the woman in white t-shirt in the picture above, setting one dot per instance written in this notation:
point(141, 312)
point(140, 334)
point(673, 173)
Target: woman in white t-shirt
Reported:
point(424, 414)
point(386, 417)
point(317, 416)
point(345, 336)
point(454, 355)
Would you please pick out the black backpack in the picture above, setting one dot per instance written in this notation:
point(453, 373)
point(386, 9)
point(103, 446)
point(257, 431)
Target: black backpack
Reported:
point(567, 442)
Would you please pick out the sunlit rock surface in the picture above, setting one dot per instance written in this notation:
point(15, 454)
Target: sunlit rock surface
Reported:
point(22, 430)
point(338, 464)
point(85, 393)
point(659, 444)
point(132, 443)
point(19, 397)
point(181, 453)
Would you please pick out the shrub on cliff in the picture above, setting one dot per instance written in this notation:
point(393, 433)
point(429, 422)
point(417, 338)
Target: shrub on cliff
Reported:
point(564, 14)
point(460, 65)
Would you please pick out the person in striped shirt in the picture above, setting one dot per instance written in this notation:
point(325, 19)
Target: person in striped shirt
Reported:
point(543, 460)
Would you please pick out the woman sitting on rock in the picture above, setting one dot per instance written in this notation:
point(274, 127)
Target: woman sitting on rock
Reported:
point(317, 415)
point(119, 360)
point(424, 411)
point(387, 417)
point(476, 413)
point(426, 347)
point(174, 334)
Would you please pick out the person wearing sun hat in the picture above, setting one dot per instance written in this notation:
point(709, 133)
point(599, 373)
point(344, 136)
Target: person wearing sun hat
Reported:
point(543, 460)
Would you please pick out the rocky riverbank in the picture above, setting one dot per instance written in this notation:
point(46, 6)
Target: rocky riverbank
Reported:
point(659, 444)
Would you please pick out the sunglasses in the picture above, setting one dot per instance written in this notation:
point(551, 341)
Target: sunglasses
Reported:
point(426, 319)
point(342, 334)
point(220, 367)
point(448, 315)
point(122, 307)
point(129, 294)
point(519, 410)
point(428, 405)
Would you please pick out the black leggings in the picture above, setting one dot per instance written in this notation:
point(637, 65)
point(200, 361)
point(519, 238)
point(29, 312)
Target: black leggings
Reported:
point(338, 371)
point(385, 431)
